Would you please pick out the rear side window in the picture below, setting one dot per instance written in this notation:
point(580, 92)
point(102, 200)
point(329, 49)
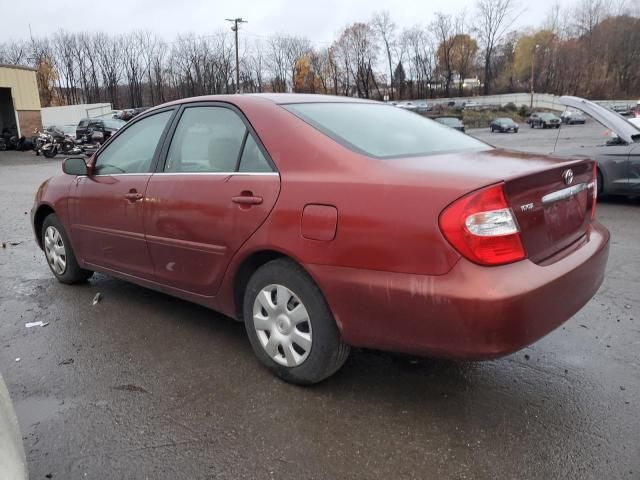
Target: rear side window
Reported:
point(207, 139)
point(252, 158)
point(382, 131)
point(132, 151)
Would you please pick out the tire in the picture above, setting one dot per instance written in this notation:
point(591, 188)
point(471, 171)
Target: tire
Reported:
point(66, 269)
point(531, 125)
point(323, 352)
point(600, 184)
point(491, 129)
point(50, 153)
point(515, 130)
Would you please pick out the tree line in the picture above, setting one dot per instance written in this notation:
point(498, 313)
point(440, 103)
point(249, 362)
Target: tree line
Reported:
point(590, 48)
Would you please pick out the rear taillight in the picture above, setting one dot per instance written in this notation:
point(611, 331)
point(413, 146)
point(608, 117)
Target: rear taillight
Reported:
point(594, 190)
point(482, 227)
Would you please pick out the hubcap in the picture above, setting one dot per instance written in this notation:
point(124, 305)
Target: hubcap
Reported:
point(54, 250)
point(282, 325)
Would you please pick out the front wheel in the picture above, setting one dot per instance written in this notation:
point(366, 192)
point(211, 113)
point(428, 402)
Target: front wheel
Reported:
point(290, 326)
point(59, 254)
point(50, 153)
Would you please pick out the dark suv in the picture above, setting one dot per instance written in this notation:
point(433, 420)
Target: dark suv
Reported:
point(105, 125)
point(544, 120)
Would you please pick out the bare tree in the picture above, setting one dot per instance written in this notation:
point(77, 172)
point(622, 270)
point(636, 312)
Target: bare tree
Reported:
point(386, 29)
point(445, 31)
point(494, 18)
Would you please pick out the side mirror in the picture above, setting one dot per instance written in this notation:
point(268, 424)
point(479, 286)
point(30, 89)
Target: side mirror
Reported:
point(74, 166)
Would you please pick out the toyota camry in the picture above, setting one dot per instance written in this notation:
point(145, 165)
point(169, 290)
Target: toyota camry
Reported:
point(325, 223)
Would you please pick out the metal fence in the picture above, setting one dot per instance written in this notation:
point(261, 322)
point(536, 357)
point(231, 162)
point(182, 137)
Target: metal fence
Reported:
point(540, 100)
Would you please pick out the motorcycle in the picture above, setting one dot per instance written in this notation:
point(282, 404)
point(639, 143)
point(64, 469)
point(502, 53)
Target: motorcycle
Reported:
point(91, 141)
point(8, 139)
point(40, 139)
point(55, 141)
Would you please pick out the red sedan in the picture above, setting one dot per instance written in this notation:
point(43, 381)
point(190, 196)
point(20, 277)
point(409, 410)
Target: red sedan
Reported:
point(326, 222)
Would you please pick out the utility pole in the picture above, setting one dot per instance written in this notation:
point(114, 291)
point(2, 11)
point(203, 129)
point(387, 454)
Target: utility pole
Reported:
point(235, 22)
point(533, 62)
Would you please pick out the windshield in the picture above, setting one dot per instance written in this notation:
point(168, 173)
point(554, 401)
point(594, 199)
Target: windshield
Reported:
point(547, 116)
point(114, 123)
point(382, 131)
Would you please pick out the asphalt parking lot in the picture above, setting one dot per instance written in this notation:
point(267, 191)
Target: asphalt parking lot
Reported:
point(546, 141)
point(143, 385)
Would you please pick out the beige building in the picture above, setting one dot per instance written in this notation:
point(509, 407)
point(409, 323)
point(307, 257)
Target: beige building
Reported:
point(19, 100)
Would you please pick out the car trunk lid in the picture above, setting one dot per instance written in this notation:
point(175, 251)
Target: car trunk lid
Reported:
point(552, 207)
point(551, 213)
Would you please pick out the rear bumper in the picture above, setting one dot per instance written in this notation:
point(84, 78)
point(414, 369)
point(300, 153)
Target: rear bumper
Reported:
point(472, 312)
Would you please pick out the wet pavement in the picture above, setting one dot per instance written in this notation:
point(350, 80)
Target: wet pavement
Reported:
point(143, 385)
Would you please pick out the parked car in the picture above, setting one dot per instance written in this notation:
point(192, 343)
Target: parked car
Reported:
point(106, 126)
point(503, 125)
point(544, 120)
point(423, 107)
point(624, 110)
point(407, 105)
point(401, 234)
point(618, 158)
point(13, 465)
point(570, 117)
point(451, 122)
point(473, 106)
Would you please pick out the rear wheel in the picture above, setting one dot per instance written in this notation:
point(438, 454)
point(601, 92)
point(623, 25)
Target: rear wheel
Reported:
point(290, 326)
point(59, 254)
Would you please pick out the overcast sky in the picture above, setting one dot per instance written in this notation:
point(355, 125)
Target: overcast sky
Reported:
point(317, 20)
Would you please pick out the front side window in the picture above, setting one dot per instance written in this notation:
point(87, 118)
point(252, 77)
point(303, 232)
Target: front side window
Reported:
point(132, 151)
point(207, 139)
point(382, 131)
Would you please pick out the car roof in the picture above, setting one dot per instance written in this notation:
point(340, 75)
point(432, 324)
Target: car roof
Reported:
point(276, 98)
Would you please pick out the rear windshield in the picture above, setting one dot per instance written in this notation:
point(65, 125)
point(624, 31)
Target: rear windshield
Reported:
point(383, 131)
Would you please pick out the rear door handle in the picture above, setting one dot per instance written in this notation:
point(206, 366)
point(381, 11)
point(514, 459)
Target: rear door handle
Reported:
point(247, 200)
point(133, 196)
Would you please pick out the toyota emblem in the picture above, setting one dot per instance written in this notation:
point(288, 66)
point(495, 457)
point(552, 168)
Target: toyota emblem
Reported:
point(567, 176)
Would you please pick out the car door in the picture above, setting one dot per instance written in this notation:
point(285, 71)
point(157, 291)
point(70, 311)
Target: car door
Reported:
point(215, 188)
point(634, 169)
point(107, 206)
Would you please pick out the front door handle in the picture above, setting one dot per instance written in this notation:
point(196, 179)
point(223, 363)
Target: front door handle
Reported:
point(247, 199)
point(133, 196)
